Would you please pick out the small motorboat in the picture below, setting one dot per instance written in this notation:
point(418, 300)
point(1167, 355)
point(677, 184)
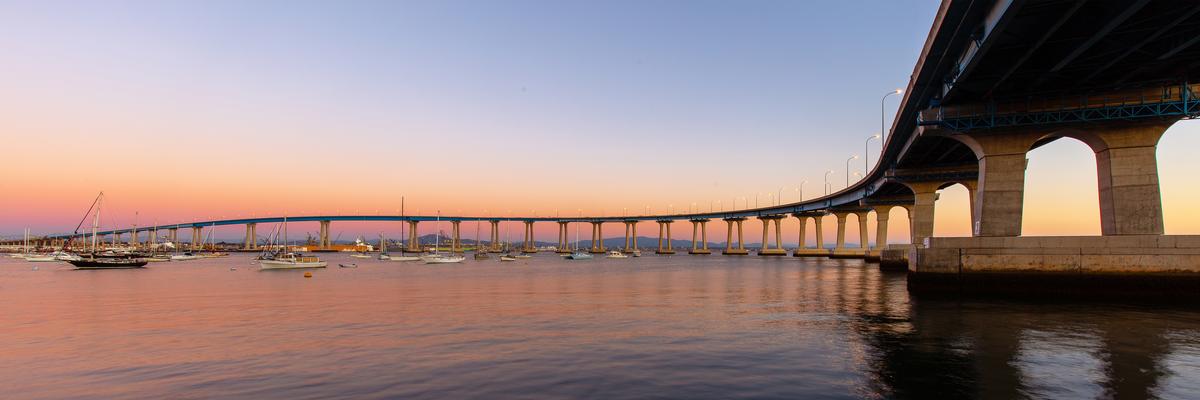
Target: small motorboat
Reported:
point(637, 253)
point(507, 257)
point(616, 254)
point(384, 257)
point(404, 258)
point(481, 256)
point(40, 258)
point(523, 256)
point(360, 255)
point(348, 265)
point(64, 256)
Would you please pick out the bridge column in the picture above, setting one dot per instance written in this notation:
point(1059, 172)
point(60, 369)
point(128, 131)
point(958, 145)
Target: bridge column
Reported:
point(564, 241)
point(172, 235)
point(699, 237)
point(881, 237)
point(197, 237)
point(414, 241)
point(1127, 173)
point(841, 251)
point(455, 242)
point(597, 237)
point(862, 231)
point(740, 250)
point(529, 246)
point(998, 199)
point(324, 239)
point(664, 237)
point(766, 249)
point(631, 244)
point(495, 236)
point(920, 216)
point(251, 241)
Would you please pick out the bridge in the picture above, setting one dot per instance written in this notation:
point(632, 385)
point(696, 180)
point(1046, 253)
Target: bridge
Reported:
point(994, 80)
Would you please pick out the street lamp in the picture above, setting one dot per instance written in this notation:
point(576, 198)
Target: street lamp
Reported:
point(801, 190)
point(867, 155)
point(882, 123)
point(827, 172)
point(848, 160)
point(779, 196)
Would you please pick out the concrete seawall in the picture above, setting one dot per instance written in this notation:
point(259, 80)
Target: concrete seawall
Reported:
point(1136, 264)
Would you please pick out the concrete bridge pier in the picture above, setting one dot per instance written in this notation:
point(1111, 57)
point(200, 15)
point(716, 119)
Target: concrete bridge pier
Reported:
point(564, 241)
point(494, 246)
point(324, 244)
point(197, 237)
point(766, 249)
point(455, 241)
point(597, 238)
point(700, 242)
point(841, 251)
point(173, 236)
point(664, 238)
point(251, 241)
point(740, 250)
point(529, 247)
point(630, 237)
point(802, 250)
point(414, 240)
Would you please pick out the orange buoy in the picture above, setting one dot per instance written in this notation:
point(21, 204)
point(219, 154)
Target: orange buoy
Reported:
point(308, 274)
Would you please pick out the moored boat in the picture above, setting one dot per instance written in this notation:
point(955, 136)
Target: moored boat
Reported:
point(616, 254)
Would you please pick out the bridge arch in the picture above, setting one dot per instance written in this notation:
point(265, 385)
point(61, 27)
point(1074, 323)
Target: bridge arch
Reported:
point(1061, 192)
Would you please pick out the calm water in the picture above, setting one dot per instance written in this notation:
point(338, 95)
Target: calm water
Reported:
point(652, 327)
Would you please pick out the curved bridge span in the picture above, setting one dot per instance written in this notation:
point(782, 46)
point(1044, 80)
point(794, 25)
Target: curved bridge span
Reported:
point(994, 80)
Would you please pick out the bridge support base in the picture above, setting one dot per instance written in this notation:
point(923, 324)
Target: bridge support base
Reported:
point(1156, 265)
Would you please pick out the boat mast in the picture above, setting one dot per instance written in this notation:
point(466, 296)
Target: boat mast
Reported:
point(437, 234)
point(96, 222)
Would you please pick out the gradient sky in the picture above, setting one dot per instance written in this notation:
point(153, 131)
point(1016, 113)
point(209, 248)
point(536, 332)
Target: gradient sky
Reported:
point(197, 110)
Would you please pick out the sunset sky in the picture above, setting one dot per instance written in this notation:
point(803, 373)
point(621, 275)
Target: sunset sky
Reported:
point(183, 112)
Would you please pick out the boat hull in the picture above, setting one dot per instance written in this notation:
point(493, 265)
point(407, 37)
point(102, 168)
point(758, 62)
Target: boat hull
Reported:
point(272, 264)
point(107, 264)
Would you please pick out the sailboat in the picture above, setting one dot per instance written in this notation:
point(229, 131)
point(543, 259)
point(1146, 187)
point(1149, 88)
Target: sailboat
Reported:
point(480, 252)
point(96, 260)
point(437, 257)
point(577, 254)
point(285, 259)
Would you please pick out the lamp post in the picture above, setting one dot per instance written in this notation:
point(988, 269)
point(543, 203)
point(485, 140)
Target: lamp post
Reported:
point(867, 155)
point(882, 120)
point(779, 196)
point(827, 172)
point(801, 190)
point(848, 160)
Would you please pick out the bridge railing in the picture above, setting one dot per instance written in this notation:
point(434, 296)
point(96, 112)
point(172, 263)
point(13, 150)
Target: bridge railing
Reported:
point(1173, 100)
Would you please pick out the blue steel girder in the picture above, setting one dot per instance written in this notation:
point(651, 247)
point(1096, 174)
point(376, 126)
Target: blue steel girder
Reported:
point(1185, 106)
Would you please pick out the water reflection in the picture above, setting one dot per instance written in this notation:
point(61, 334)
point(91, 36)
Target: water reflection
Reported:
point(693, 327)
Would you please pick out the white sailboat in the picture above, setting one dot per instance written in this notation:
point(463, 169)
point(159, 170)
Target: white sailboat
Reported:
point(437, 257)
point(285, 259)
point(578, 255)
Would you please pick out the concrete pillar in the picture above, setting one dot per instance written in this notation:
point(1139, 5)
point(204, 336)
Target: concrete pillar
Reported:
point(920, 216)
point(862, 230)
point(767, 249)
point(734, 225)
point(841, 231)
point(699, 237)
point(251, 237)
point(881, 226)
point(1127, 174)
point(455, 241)
point(801, 245)
point(495, 241)
point(529, 246)
point(172, 236)
point(197, 237)
point(597, 237)
point(633, 245)
point(414, 240)
point(664, 237)
point(325, 242)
